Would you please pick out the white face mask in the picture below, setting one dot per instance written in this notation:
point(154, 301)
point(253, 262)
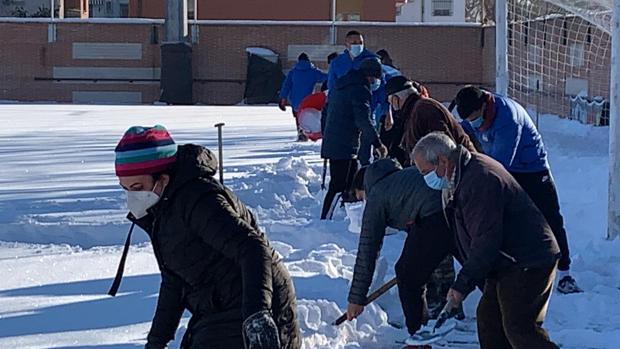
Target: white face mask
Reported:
point(140, 201)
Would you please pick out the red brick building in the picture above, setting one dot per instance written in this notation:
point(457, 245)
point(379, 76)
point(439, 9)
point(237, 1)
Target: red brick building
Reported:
point(307, 10)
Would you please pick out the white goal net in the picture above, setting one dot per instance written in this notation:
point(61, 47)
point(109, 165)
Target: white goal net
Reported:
point(559, 54)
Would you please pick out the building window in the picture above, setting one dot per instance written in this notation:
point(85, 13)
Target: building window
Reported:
point(443, 8)
point(577, 53)
point(108, 8)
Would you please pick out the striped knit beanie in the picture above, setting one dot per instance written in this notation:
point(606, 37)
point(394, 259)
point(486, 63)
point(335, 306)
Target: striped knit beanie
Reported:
point(144, 150)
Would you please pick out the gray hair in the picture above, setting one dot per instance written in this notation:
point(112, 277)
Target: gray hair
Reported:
point(431, 146)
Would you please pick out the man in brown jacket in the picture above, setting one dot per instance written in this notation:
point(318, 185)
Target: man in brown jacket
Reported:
point(422, 115)
point(503, 238)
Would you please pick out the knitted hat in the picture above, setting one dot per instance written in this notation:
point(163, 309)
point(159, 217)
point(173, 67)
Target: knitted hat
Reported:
point(371, 67)
point(144, 150)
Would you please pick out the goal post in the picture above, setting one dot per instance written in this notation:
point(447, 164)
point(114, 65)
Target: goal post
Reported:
point(562, 59)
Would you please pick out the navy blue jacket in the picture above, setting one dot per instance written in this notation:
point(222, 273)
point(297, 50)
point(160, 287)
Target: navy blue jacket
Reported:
point(300, 82)
point(512, 139)
point(348, 116)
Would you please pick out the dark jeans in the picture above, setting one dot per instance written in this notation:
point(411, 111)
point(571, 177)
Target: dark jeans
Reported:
point(513, 307)
point(341, 174)
point(541, 189)
point(428, 244)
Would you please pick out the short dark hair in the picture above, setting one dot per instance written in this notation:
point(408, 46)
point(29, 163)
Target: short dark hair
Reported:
point(469, 99)
point(331, 57)
point(303, 57)
point(358, 179)
point(353, 33)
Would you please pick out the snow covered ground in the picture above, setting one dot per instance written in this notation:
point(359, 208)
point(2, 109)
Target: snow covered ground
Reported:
point(61, 220)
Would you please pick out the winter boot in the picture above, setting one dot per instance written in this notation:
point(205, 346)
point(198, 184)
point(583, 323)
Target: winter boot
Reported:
point(301, 137)
point(568, 285)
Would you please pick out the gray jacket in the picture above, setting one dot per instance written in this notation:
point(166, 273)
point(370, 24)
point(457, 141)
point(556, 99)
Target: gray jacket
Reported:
point(394, 198)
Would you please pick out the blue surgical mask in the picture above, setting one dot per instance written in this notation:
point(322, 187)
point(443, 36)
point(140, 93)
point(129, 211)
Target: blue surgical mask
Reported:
point(477, 122)
point(375, 85)
point(434, 181)
point(356, 50)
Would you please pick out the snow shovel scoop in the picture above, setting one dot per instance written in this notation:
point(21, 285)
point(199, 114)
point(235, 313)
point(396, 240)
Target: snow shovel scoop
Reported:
point(439, 330)
point(371, 298)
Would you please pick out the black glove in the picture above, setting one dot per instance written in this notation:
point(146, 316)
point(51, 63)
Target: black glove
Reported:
point(260, 331)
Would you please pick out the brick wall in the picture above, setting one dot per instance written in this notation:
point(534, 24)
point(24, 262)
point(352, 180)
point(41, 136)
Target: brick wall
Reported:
point(443, 57)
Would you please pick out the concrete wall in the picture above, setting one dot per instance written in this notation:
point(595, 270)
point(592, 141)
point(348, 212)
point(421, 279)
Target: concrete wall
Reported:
point(86, 55)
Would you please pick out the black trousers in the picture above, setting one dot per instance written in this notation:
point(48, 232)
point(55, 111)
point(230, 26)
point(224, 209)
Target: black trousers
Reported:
point(341, 173)
point(429, 244)
point(513, 307)
point(541, 189)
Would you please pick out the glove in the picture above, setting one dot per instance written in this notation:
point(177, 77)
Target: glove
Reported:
point(260, 331)
point(381, 152)
point(282, 104)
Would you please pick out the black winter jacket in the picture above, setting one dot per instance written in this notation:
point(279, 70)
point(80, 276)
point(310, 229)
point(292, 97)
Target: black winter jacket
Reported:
point(214, 260)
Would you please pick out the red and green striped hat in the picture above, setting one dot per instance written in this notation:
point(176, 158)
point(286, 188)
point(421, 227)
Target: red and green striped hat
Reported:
point(144, 150)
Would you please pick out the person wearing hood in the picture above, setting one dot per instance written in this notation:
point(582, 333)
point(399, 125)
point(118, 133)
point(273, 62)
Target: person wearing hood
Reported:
point(400, 199)
point(349, 118)
point(299, 83)
point(214, 260)
point(422, 115)
point(507, 133)
point(503, 239)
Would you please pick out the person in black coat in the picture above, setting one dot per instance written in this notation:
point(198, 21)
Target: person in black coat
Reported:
point(214, 260)
point(349, 118)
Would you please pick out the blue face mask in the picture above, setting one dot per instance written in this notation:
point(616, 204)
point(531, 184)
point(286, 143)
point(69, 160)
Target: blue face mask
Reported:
point(356, 50)
point(434, 181)
point(375, 85)
point(477, 122)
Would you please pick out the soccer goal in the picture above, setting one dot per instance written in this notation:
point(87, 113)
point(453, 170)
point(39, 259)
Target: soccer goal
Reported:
point(557, 57)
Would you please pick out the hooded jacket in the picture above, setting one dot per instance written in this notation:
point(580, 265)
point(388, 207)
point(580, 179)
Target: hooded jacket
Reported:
point(509, 136)
point(498, 227)
point(426, 115)
point(300, 82)
point(395, 198)
point(214, 261)
point(348, 117)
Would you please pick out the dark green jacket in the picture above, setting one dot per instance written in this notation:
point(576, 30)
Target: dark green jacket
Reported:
point(394, 198)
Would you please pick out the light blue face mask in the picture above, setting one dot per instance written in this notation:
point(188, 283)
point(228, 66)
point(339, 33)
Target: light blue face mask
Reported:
point(356, 50)
point(477, 122)
point(375, 85)
point(434, 181)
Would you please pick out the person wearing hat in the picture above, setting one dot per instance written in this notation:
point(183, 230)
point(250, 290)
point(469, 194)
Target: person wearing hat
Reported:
point(507, 133)
point(214, 260)
point(422, 115)
point(349, 118)
point(392, 127)
point(299, 83)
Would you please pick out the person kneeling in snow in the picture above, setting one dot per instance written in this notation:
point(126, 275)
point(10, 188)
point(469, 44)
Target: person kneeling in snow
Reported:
point(214, 261)
point(503, 238)
point(400, 199)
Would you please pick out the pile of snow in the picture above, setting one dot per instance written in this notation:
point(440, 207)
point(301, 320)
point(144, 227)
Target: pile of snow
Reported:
point(62, 215)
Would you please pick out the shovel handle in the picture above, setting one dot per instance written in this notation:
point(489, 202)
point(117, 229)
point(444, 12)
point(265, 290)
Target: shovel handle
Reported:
point(371, 298)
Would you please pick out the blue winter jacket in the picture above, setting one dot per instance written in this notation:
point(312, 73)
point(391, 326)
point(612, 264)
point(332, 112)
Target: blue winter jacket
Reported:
point(341, 65)
point(300, 82)
point(379, 99)
point(348, 118)
point(512, 139)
